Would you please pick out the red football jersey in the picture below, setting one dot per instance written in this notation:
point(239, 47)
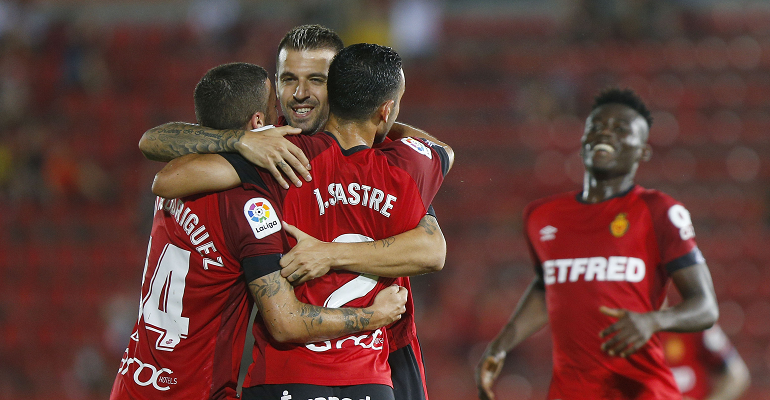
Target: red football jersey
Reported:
point(693, 356)
point(189, 337)
point(359, 194)
point(617, 253)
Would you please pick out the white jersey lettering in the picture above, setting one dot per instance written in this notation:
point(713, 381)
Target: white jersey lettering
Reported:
point(188, 221)
point(355, 194)
point(154, 376)
point(373, 341)
point(615, 269)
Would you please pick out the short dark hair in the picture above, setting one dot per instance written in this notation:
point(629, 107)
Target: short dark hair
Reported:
point(626, 97)
point(311, 37)
point(361, 77)
point(228, 95)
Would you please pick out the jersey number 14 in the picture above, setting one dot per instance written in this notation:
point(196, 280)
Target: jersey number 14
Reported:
point(162, 306)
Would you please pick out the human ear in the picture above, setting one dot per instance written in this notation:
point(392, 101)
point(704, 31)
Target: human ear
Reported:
point(385, 109)
point(646, 153)
point(257, 120)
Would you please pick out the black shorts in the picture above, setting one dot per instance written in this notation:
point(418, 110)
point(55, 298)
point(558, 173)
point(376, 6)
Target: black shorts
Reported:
point(297, 391)
point(406, 374)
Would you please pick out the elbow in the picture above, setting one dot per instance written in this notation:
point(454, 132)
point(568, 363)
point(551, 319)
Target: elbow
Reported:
point(451, 156)
point(712, 316)
point(282, 337)
point(144, 147)
point(713, 310)
point(709, 316)
point(160, 186)
point(436, 264)
point(283, 333)
point(437, 259)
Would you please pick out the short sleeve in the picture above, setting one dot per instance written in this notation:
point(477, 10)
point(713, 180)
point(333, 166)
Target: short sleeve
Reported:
point(537, 264)
point(674, 231)
point(246, 171)
point(252, 223)
point(421, 161)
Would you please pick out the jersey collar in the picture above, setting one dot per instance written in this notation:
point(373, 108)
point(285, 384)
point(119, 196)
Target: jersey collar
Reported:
point(579, 196)
point(350, 151)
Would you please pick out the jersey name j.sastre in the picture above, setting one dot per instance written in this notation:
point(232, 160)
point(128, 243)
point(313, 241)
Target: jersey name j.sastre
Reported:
point(262, 217)
point(355, 194)
point(615, 268)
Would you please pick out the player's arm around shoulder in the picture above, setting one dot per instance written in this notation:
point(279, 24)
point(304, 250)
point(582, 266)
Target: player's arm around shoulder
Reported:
point(193, 174)
point(175, 139)
point(291, 321)
point(418, 251)
point(265, 147)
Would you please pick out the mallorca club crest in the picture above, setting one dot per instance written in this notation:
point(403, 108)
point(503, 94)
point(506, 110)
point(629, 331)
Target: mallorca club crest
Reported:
point(261, 217)
point(619, 226)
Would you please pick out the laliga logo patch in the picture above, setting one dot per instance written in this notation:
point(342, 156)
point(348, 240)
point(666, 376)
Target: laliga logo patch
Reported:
point(262, 217)
point(619, 226)
point(417, 146)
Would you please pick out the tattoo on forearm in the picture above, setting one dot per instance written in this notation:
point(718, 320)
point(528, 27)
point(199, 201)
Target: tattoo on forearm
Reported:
point(267, 286)
point(175, 140)
point(429, 225)
point(387, 242)
point(352, 319)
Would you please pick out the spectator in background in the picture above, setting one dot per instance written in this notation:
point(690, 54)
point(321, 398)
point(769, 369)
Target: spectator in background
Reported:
point(705, 364)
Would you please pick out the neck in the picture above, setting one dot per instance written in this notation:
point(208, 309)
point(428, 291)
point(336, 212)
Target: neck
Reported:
point(351, 133)
point(596, 190)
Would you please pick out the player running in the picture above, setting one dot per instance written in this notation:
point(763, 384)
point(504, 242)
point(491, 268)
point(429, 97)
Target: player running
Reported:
point(604, 257)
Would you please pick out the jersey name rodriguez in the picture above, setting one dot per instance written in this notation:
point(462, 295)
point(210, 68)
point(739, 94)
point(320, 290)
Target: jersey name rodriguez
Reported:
point(188, 221)
point(615, 268)
point(355, 194)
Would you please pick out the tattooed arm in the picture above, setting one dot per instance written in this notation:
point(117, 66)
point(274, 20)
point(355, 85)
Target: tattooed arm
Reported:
point(414, 252)
point(291, 321)
point(175, 139)
point(267, 148)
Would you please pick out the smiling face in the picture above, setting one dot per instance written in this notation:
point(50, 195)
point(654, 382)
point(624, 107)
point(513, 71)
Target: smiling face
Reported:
point(614, 141)
point(301, 87)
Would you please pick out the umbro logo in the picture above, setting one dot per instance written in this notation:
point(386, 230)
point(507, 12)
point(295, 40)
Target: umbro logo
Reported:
point(548, 233)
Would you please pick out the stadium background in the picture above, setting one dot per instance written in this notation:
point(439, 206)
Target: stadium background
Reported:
point(506, 83)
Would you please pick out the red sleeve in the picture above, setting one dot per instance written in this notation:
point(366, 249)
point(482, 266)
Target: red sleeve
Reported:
point(422, 161)
point(674, 231)
point(251, 223)
point(538, 265)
